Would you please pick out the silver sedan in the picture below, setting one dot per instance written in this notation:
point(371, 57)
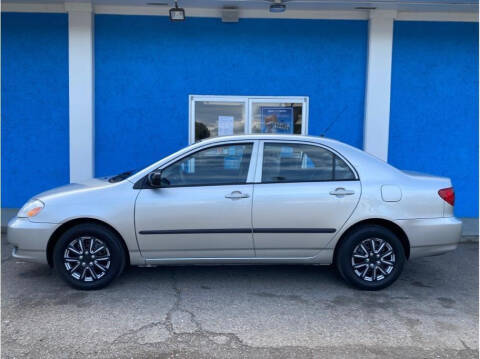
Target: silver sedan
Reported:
point(266, 199)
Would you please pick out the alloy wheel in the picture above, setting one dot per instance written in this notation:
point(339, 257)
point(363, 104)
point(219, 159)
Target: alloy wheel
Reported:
point(87, 258)
point(373, 259)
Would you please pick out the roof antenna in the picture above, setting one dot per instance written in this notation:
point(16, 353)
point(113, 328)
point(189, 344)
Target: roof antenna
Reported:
point(333, 122)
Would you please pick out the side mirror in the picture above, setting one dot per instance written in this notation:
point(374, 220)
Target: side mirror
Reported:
point(154, 179)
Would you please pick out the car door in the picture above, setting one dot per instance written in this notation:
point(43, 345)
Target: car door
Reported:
point(306, 193)
point(203, 209)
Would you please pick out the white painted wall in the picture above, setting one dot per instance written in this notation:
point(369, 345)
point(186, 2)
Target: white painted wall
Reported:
point(81, 90)
point(377, 92)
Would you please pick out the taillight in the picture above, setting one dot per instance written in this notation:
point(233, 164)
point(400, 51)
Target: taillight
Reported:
point(448, 195)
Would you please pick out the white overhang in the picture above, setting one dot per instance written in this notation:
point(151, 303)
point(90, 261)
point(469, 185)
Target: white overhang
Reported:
point(426, 10)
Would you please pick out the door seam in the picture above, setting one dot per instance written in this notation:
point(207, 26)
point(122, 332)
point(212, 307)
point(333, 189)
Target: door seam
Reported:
point(251, 220)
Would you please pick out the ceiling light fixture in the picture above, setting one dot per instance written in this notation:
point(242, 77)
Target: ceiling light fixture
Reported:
point(277, 8)
point(177, 13)
point(230, 14)
point(277, 5)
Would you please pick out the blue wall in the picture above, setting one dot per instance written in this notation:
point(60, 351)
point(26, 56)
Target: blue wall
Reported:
point(34, 105)
point(434, 105)
point(146, 66)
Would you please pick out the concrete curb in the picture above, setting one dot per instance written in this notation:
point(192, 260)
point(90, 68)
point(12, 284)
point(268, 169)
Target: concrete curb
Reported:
point(7, 214)
point(470, 226)
point(469, 239)
point(469, 231)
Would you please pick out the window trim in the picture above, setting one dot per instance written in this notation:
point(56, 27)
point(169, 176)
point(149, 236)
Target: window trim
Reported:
point(259, 169)
point(248, 102)
point(142, 183)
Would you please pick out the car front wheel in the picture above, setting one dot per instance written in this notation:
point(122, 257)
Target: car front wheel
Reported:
point(89, 256)
point(370, 258)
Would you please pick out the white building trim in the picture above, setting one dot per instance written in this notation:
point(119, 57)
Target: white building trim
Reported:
point(377, 92)
point(30, 7)
point(243, 13)
point(81, 91)
point(437, 16)
point(467, 16)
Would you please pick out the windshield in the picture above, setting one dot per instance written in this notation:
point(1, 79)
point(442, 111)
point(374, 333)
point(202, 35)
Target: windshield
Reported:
point(122, 176)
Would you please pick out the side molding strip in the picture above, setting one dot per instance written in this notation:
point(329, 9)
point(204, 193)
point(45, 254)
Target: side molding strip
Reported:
point(198, 231)
point(294, 230)
point(241, 230)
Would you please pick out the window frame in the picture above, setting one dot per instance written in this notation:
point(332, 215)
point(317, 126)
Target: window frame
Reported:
point(248, 102)
point(259, 169)
point(251, 167)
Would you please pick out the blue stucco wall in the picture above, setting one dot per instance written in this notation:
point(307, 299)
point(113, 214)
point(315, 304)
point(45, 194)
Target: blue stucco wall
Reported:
point(146, 66)
point(34, 105)
point(434, 104)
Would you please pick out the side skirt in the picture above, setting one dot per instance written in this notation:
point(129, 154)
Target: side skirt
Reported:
point(324, 257)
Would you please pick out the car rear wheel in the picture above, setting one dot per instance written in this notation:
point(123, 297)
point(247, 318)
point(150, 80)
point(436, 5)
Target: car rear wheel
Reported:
point(370, 258)
point(89, 256)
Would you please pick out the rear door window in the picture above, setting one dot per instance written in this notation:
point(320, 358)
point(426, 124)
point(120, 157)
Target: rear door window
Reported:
point(296, 162)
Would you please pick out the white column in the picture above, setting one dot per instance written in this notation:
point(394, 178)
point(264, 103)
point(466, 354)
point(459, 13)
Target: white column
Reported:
point(81, 90)
point(377, 94)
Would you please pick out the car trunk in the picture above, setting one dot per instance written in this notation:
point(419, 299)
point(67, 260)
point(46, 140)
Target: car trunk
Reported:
point(425, 190)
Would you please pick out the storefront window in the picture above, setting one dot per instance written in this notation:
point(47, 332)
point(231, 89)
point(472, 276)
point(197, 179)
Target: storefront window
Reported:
point(280, 117)
point(213, 116)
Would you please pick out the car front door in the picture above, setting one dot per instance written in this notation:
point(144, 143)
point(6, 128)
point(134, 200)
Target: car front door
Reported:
point(203, 209)
point(305, 195)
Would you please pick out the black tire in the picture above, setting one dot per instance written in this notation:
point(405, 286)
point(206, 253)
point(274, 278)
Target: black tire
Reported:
point(101, 236)
point(351, 245)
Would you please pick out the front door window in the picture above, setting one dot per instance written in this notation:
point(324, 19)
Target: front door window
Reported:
point(219, 165)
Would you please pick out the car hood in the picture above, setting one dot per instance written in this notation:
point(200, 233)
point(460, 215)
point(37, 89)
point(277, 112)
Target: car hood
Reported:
point(93, 183)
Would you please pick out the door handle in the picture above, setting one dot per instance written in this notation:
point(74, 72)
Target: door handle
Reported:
point(340, 192)
point(237, 195)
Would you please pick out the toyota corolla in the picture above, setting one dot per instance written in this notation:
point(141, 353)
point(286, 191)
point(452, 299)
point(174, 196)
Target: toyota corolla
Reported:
point(259, 199)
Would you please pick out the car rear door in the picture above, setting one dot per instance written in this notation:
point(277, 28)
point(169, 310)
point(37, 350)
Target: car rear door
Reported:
point(305, 194)
point(203, 209)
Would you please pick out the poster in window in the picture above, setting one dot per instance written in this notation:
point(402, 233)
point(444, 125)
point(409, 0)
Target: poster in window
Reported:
point(225, 125)
point(277, 120)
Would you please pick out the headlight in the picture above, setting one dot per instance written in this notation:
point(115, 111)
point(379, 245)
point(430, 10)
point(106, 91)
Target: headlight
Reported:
point(31, 209)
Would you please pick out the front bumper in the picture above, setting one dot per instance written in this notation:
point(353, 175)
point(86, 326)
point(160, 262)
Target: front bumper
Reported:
point(432, 236)
point(29, 239)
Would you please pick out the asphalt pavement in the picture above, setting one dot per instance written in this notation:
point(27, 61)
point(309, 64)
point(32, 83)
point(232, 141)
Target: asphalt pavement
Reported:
point(243, 312)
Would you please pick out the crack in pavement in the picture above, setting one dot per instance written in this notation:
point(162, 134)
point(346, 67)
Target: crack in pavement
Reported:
point(176, 304)
point(178, 336)
point(199, 331)
point(464, 344)
point(133, 332)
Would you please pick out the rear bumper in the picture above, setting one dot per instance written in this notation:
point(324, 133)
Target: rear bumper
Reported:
point(432, 236)
point(29, 239)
